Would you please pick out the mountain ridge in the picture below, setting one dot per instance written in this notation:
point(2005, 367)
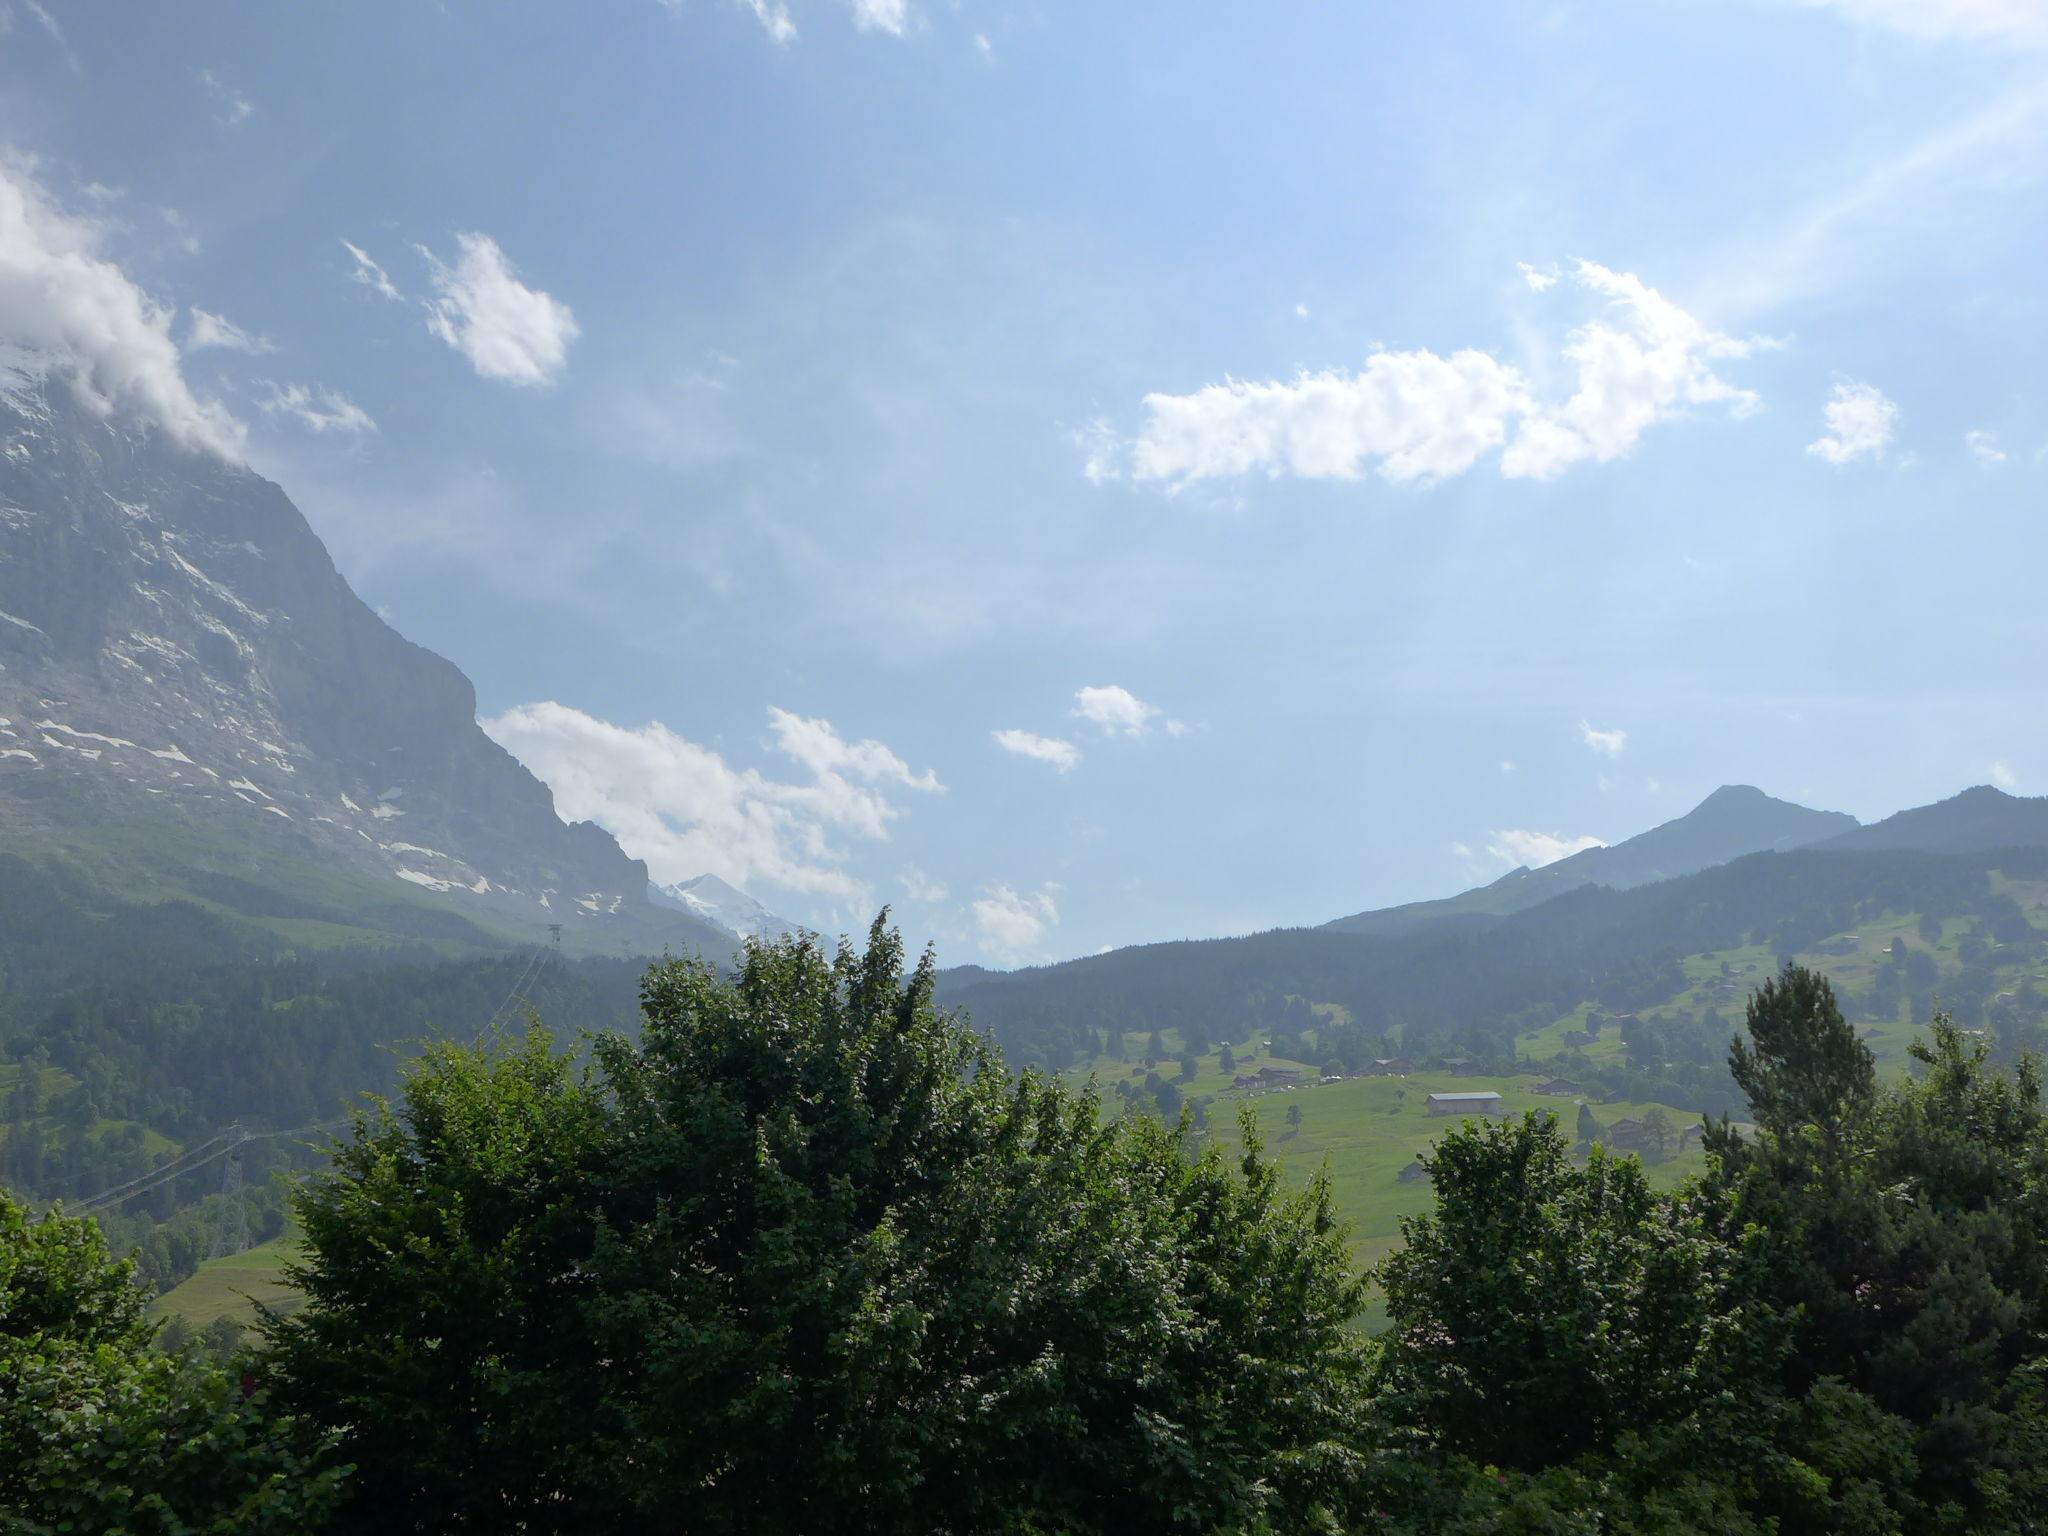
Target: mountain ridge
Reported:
point(1733, 821)
point(177, 645)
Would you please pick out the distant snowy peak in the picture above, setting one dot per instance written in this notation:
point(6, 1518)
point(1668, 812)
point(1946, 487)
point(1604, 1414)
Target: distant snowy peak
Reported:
point(726, 905)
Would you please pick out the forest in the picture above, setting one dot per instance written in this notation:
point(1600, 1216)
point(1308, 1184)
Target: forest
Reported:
point(805, 1217)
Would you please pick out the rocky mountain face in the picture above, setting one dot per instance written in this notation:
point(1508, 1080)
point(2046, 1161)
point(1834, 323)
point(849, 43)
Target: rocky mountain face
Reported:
point(174, 636)
point(1735, 820)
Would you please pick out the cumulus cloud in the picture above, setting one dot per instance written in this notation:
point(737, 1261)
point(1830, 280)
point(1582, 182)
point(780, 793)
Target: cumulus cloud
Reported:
point(921, 887)
point(507, 330)
point(78, 312)
point(1606, 743)
point(2003, 776)
point(1539, 280)
point(369, 274)
point(318, 409)
point(1062, 755)
point(890, 16)
point(1984, 447)
point(1418, 417)
point(1652, 364)
point(1116, 711)
point(687, 811)
point(1011, 925)
point(1860, 422)
point(206, 329)
point(1414, 416)
point(1536, 849)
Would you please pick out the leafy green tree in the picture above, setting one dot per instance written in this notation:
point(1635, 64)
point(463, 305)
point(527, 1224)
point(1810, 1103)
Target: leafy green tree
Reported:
point(1225, 1062)
point(1544, 1308)
point(1588, 1127)
point(1294, 1117)
point(101, 1432)
point(1658, 1130)
point(806, 1258)
point(1190, 1068)
point(447, 1253)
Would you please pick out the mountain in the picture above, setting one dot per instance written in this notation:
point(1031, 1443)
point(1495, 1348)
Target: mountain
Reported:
point(1975, 821)
point(725, 906)
point(188, 687)
point(1735, 820)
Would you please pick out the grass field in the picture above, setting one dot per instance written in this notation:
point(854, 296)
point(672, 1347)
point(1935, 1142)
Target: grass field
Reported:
point(229, 1287)
point(1366, 1130)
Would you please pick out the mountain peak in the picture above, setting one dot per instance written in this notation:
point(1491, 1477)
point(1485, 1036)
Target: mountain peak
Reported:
point(1733, 795)
point(1980, 818)
point(720, 902)
point(176, 643)
point(1734, 820)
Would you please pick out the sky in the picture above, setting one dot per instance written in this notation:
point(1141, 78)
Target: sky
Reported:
point(1089, 474)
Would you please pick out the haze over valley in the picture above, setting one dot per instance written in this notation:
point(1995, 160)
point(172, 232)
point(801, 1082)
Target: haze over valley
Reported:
point(865, 766)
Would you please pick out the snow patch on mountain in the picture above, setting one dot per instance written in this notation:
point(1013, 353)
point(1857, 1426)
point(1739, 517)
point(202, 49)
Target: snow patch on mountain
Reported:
point(722, 904)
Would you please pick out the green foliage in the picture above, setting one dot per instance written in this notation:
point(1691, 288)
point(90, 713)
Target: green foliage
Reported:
point(1543, 1307)
point(807, 1258)
point(1802, 1065)
point(101, 1432)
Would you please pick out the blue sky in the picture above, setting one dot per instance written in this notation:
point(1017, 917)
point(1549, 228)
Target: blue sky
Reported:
point(1095, 473)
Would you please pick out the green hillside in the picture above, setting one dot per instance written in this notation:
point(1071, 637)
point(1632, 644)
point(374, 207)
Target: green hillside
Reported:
point(231, 1287)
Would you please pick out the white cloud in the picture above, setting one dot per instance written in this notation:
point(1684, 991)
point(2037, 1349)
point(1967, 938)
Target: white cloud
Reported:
point(2003, 776)
point(1062, 755)
point(881, 15)
point(1860, 422)
point(1102, 451)
point(1301, 311)
point(1651, 367)
point(1983, 446)
point(686, 811)
point(2017, 21)
point(1011, 926)
point(983, 46)
point(1537, 278)
point(921, 887)
point(206, 329)
point(1414, 416)
point(234, 108)
point(507, 330)
point(1507, 766)
point(1418, 417)
point(61, 299)
point(1607, 743)
point(1536, 849)
point(369, 274)
point(320, 410)
point(774, 18)
point(1116, 711)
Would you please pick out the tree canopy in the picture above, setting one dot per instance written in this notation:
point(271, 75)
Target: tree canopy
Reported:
point(805, 1257)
